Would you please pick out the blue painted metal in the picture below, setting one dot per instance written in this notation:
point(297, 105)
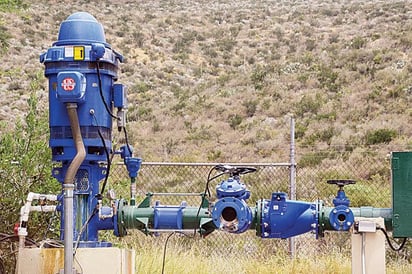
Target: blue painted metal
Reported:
point(81, 41)
point(231, 212)
point(232, 215)
point(283, 218)
point(341, 217)
point(232, 187)
point(72, 87)
point(119, 96)
point(132, 163)
point(80, 28)
point(168, 217)
point(82, 68)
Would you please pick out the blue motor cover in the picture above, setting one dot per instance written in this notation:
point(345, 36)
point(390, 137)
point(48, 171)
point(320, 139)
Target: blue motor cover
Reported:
point(71, 87)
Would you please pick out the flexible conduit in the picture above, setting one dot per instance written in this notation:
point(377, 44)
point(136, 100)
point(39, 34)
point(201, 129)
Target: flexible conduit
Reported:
point(68, 186)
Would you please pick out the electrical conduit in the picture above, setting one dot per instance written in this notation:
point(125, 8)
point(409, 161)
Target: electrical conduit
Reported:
point(68, 186)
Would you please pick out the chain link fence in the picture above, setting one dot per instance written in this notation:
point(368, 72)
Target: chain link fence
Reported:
point(372, 189)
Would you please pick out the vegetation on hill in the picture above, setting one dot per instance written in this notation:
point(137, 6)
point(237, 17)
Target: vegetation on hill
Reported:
point(218, 81)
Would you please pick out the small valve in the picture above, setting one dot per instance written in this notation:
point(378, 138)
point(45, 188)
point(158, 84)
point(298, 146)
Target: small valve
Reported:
point(341, 217)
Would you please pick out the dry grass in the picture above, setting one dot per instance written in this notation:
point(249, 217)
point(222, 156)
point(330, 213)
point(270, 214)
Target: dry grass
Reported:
point(196, 258)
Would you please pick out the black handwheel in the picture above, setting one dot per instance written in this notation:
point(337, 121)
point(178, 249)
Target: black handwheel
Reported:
point(234, 171)
point(341, 182)
point(245, 170)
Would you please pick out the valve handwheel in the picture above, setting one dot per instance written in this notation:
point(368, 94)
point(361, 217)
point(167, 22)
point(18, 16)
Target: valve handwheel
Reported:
point(341, 182)
point(235, 171)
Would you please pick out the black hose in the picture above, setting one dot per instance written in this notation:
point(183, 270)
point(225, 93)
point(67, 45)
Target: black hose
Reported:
point(164, 251)
point(401, 246)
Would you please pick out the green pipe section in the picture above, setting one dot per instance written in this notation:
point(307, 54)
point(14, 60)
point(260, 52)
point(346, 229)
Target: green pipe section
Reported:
point(365, 211)
point(142, 218)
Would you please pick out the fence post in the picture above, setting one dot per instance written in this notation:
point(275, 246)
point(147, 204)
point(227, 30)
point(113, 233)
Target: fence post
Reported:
point(292, 178)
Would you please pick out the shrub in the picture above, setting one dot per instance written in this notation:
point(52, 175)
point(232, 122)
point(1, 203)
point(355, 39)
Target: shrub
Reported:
point(328, 78)
point(4, 39)
point(9, 5)
point(25, 166)
point(309, 104)
point(379, 136)
point(258, 77)
point(312, 159)
point(251, 106)
point(358, 42)
point(235, 120)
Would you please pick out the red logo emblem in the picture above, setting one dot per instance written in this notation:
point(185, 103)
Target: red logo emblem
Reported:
point(68, 84)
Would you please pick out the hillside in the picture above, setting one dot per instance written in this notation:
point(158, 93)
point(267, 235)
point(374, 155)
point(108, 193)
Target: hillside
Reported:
point(219, 80)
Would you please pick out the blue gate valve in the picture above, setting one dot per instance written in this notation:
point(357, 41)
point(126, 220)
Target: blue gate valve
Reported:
point(341, 217)
point(230, 212)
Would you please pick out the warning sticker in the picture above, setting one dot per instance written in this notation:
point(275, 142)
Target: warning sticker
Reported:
point(78, 53)
point(68, 52)
point(68, 84)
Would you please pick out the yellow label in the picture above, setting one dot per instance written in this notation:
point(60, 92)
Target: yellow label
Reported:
point(78, 53)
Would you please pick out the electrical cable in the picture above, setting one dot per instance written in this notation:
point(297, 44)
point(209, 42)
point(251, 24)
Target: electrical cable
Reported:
point(81, 268)
point(113, 116)
point(106, 151)
point(127, 140)
point(101, 91)
point(51, 243)
point(207, 190)
point(82, 230)
point(401, 246)
point(2, 266)
point(164, 251)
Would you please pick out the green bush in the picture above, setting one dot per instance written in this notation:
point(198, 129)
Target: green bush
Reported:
point(309, 104)
point(25, 163)
point(328, 78)
point(358, 42)
point(25, 166)
point(235, 121)
point(9, 5)
point(312, 159)
point(379, 136)
point(4, 39)
point(251, 106)
point(258, 77)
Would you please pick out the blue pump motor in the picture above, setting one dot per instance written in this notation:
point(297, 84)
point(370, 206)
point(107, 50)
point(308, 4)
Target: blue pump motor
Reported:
point(81, 68)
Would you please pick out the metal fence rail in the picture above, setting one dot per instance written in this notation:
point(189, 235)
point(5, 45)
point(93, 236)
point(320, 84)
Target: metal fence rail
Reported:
point(372, 189)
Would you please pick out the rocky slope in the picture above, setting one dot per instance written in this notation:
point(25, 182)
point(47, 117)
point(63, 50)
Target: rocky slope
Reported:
point(219, 80)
